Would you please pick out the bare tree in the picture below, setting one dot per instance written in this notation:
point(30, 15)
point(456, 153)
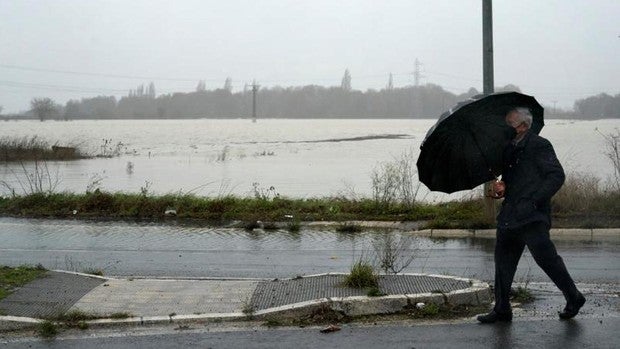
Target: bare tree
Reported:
point(43, 108)
point(612, 150)
point(392, 253)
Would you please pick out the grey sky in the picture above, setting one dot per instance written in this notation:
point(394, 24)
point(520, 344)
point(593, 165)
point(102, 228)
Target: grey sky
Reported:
point(556, 50)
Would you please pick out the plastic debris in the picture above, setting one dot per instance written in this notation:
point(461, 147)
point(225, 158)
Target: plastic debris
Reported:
point(330, 328)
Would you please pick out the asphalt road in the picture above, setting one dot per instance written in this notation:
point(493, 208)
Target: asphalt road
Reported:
point(146, 249)
point(126, 249)
point(579, 333)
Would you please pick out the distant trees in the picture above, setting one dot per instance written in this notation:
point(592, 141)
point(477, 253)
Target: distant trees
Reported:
point(311, 101)
point(72, 110)
point(599, 106)
point(43, 108)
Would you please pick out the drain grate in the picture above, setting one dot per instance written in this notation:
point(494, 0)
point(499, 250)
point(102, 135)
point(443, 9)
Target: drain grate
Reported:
point(51, 295)
point(277, 293)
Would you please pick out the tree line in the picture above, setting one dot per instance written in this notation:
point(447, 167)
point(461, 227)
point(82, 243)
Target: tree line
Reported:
point(311, 101)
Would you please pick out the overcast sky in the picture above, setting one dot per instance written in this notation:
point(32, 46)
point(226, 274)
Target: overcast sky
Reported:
point(556, 50)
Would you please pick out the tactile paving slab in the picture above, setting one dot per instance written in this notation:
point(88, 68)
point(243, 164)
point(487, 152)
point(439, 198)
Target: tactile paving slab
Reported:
point(269, 294)
point(48, 296)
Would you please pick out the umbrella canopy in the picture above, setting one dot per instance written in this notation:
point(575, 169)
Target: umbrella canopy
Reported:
point(464, 148)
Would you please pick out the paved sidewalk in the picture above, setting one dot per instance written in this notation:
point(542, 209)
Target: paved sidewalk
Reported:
point(159, 300)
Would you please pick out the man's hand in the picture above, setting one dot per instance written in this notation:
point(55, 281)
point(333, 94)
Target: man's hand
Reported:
point(499, 187)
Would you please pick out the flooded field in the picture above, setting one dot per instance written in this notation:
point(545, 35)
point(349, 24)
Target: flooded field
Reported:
point(298, 158)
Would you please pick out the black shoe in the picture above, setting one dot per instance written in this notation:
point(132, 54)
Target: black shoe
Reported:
point(494, 317)
point(572, 308)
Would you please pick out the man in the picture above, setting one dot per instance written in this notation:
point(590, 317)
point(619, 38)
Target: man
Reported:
point(532, 175)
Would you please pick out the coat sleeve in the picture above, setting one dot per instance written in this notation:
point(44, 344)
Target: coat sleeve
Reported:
point(551, 171)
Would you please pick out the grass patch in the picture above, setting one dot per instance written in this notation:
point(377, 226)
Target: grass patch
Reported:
point(362, 276)
point(14, 277)
point(47, 329)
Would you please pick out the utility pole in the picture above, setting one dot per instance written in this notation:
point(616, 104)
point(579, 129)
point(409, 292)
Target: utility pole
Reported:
point(254, 91)
point(488, 86)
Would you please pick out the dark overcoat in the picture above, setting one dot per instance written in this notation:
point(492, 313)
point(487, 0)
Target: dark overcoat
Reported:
point(533, 174)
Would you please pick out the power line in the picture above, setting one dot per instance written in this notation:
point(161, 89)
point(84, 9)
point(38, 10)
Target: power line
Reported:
point(78, 89)
point(117, 76)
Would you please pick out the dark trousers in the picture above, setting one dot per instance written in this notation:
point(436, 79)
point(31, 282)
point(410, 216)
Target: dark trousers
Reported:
point(508, 249)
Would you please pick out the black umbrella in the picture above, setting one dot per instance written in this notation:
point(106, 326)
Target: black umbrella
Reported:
point(464, 148)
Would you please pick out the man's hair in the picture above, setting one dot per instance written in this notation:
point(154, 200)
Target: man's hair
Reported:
point(525, 116)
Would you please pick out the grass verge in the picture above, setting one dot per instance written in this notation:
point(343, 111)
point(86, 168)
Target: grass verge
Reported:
point(581, 203)
point(14, 277)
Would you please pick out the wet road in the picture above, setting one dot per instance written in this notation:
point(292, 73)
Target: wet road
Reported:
point(580, 333)
point(126, 249)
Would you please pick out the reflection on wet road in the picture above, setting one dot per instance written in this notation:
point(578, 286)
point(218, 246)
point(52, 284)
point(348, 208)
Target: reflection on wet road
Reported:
point(150, 249)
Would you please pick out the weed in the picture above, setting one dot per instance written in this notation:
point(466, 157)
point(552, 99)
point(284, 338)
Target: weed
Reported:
point(109, 149)
point(82, 325)
point(94, 183)
point(393, 181)
point(430, 309)
point(34, 178)
point(348, 227)
point(121, 315)
point(293, 226)
point(72, 317)
point(221, 157)
point(93, 271)
point(522, 295)
point(273, 322)
point(612, 150)
point(47, 329)
point(262, 193)
point(374, 292)
point(248, 308)
point(323, 314)
point(270, 226)
point(362, 275)
point(393, 254)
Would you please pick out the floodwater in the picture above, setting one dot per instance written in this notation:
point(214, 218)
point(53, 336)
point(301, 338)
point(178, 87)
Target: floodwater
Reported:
point(148, 249)
point(298, 158)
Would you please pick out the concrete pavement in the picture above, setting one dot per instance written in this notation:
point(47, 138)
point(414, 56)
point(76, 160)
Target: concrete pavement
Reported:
point(140, 301)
